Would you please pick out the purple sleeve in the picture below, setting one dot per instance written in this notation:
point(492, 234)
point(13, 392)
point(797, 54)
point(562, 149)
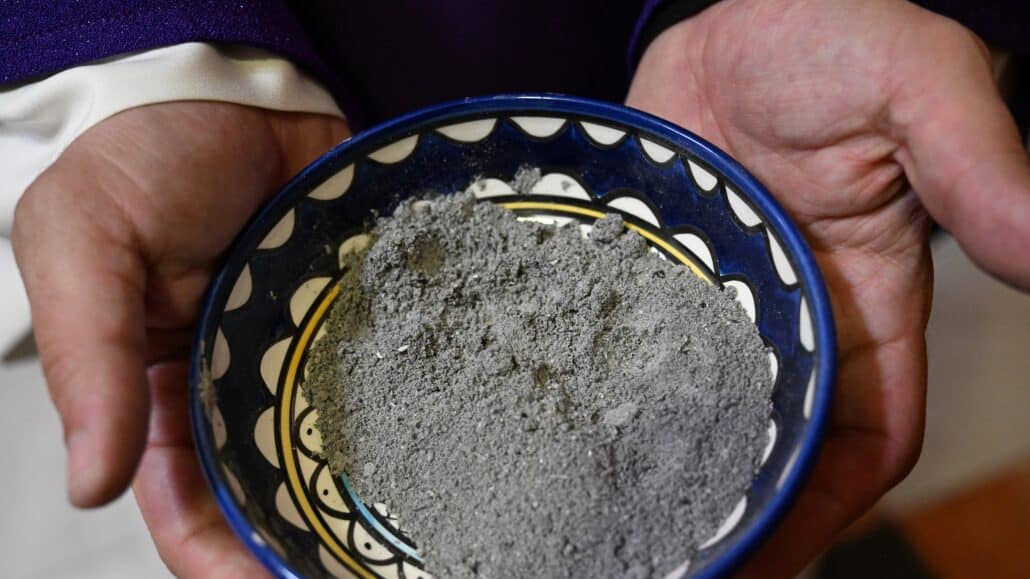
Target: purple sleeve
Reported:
point(657, 16)
point(42, 37)
point(638, 28)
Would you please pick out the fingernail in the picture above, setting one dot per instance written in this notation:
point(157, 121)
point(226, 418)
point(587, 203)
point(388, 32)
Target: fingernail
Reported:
point(82, 470)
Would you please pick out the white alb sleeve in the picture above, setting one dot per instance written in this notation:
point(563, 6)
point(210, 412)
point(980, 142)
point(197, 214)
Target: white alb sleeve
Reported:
point(39, 119)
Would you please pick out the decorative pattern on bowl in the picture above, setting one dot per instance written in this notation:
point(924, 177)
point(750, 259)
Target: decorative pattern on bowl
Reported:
point(253, 427)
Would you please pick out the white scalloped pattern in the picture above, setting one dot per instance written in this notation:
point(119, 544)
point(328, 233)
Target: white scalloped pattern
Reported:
point(771, 442)
point(287, 509)
point(310, 437)
point(220, 356)
point(560, 185)
point(470, 131)
point(745, 297)
point(272, 363)
point(746, 215)
point(809, 395)
point(327, 494)
point(395, 152)
point(280, 233)
point(658, 153)
point(487, 188)
point(218, 427)
point(697, 247)
point(540, 127)
point(352, 245)
point(303, 298)
point(240, 291)
point(741, 209)
point(704, 179)
point(780, 260)
point(805, 332)
point(264, 436)
point(602, 134)
point(369, 546)
point(635, 207)
point(334, 187)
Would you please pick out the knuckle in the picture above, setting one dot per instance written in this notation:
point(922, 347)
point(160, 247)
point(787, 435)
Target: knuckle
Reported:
point(911, 449)
point(60, 375)
point(956, 39)
point(25, 212)
point(910, 458)
point(41, 202)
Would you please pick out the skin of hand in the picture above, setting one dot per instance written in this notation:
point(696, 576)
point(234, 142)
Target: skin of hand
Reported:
point(843, 109)
point(116, 243)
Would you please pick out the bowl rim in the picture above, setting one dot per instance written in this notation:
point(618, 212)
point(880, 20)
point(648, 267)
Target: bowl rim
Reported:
point(505, 105)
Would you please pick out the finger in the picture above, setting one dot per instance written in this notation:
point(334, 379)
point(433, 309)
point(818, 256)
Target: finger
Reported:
point(164, 345)
point(85, 286)
point(188, 529)
point(962, 152)
point(169, 406)
point(305, 137)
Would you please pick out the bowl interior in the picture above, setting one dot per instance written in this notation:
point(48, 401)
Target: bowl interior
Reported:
point(254, 430)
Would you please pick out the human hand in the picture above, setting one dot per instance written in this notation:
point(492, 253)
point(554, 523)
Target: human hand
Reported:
point(116, 243)
point(838, 106)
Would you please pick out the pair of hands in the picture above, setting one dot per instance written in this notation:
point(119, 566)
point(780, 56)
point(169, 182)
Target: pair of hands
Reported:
point(834, 105)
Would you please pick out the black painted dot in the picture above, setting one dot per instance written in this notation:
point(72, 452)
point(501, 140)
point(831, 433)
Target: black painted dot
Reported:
point(325, 492)
point(368, 546)
point(310, 431)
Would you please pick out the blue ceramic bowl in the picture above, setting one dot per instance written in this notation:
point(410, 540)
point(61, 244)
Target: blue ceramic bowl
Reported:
point(255, 433)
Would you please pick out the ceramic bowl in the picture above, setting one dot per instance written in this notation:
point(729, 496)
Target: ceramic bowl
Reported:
point(255, 432)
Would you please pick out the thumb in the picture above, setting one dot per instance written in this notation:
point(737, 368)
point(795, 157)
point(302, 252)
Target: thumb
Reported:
point(963, 156)
point(85, 284)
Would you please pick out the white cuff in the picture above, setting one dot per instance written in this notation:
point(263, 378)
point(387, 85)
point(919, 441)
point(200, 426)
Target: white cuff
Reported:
point(38, 120)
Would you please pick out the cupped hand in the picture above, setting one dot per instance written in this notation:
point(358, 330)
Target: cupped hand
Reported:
point(116, 242)
point(843, 109)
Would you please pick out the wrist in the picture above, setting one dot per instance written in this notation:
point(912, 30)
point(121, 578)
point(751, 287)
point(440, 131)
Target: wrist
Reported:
point(662, 16)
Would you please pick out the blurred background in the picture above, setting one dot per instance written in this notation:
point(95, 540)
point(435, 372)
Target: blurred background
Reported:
point(964, 512)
